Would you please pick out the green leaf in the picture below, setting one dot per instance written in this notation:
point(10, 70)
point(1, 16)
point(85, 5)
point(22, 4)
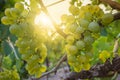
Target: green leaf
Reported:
point(19, 64)
point(7, 62)
point(6, 48)
point(99, 45)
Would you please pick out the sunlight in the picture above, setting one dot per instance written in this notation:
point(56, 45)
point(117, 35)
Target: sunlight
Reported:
point(44, 20)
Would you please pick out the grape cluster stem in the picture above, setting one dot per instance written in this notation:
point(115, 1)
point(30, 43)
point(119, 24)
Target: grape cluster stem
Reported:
point(44, 9)
point(62, 59)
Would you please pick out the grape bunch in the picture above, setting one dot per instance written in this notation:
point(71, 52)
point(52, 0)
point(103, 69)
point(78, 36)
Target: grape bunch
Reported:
point(13, 15)
point(83, 29)
point(30, 38)
point(9, 75)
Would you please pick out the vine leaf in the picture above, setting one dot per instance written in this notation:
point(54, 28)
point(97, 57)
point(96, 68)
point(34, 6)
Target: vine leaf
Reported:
point(99, 45)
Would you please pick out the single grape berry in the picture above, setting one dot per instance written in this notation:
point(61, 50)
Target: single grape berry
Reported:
point(19, 6)
point(79, 30)
point(14, 12)
point(107, 18)
point(94, 27)
point(80, 44)
point(72, 28)
point(88, 39)
point(42, 68)
point(70, 39)
point(6, 20)
point(7, 12)
point(84, 23)
point(73, 49)
point(14, 29)
point(74, 10)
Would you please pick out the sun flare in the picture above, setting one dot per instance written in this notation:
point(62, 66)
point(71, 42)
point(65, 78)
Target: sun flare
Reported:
point(44, 20)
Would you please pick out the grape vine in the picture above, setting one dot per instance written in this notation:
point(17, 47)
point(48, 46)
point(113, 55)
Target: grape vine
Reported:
point(86, 36)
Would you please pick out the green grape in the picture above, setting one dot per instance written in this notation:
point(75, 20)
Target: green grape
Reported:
point(79, 3)
point(88, 16)
point(73, 27)
point(31, 72)
point(87, 33)
point(67, 48)
point(27, 67)
point(71, 59)
point(19, 30)
point(31, 68)
point(16, 30)
point(26, 56)
point(7, 12)
point(25, 13)
point(15, 75)
point(77, 36)
point(72, 49)
point(33, 59)
point(88, 39)
point(25, 29)
point(88, 47)
point(70, 19)
point(35, 8)
point(94, 27)
point(80, 44)
point(14, 12)
point(42, 55)
point(38, 74)
point(34, 69)
point(18, 42)
point(81, 14)
point(6, 20)
point(79, 30)
point(30, 17)
point(74, 10)
point(64, 18)
point(42, 68)
point(86, 66)
point(107, 18)
point(78, 68)
point(70, 39)
point(21, 50)
point(84, 59)
point(41, 59)
point(19, 5)
point(24, 44)
point(84, 23)
point(42, 50)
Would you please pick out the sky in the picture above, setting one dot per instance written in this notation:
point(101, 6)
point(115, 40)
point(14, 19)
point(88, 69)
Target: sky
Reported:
point(58, 9)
